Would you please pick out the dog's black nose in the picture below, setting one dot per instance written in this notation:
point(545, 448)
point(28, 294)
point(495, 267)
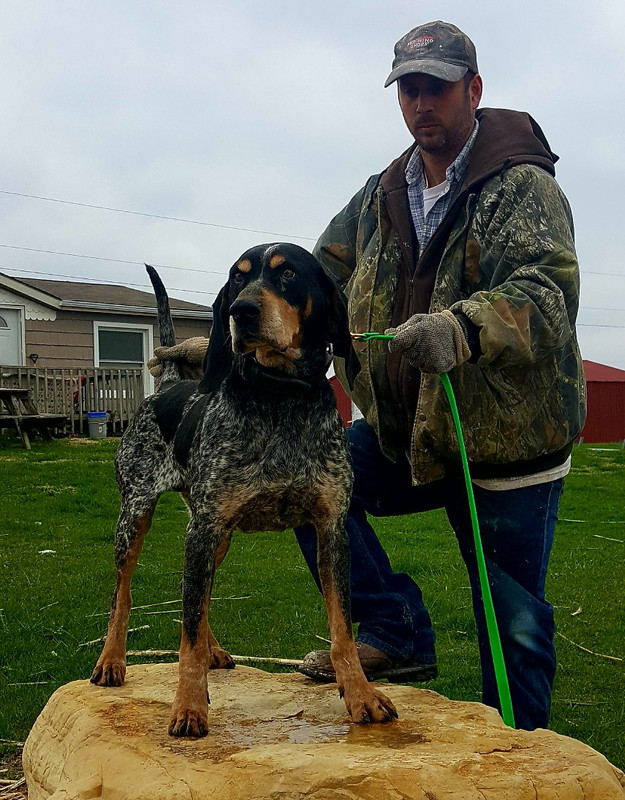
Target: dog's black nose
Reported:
point(245, 310)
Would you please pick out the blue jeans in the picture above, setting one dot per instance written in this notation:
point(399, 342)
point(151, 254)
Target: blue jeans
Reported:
point(517, 528)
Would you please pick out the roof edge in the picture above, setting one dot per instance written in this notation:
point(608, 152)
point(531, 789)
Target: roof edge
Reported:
point(39, 296)
point(595, 372)
point(115, 308)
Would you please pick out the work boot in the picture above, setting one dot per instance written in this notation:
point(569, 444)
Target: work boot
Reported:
point(376, 666)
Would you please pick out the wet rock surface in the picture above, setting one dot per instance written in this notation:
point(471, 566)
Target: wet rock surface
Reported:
point(284, 736)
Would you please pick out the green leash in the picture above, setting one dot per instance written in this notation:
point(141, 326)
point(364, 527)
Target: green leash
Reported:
point(501, 676)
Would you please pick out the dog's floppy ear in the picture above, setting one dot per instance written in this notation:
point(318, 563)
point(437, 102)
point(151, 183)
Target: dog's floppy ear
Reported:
point(218, 359)
point(340, 336)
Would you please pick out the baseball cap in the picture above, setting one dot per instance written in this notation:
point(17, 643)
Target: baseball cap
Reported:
point(436, 48)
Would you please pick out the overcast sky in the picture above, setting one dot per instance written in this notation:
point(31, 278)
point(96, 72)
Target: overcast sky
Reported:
point(261, 120)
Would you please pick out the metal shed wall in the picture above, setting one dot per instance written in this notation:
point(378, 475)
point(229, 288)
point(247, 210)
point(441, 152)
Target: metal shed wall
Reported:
point(605, 421)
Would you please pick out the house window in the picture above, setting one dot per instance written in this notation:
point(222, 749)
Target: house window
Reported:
point(123, 345)
point(3, 323)
point(120, 347)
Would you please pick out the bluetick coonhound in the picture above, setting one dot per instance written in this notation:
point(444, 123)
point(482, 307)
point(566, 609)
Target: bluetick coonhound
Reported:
point(256, 445)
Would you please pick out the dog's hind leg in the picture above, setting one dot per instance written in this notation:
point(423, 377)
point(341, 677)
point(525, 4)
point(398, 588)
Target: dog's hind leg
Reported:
point(189, 713)
point(364, 703)
point(134, 522)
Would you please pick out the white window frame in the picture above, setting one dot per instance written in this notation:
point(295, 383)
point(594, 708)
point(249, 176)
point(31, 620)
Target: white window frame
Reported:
point(148, 346)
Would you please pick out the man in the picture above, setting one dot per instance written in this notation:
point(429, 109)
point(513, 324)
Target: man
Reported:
point(463, 249)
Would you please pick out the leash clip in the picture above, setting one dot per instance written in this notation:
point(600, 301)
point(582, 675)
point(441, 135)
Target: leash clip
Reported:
point(369, 336)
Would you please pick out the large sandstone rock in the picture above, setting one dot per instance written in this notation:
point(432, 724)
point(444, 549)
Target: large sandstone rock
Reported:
point(283, 736)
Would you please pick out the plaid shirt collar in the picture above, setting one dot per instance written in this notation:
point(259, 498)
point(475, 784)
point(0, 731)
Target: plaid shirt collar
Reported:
point(416, 179)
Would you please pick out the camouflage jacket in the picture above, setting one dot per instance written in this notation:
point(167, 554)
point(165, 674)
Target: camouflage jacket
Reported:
point(503, 257)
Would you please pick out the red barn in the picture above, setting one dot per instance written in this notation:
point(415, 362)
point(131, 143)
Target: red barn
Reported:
point(606, 403)
point(343, 403)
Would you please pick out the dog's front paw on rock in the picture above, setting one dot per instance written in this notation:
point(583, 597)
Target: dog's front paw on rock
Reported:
point(189, 721)
point(109, 672)
point(372, 707)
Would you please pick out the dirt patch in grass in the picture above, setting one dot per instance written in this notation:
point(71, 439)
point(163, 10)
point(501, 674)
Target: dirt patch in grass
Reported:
point(12, 784)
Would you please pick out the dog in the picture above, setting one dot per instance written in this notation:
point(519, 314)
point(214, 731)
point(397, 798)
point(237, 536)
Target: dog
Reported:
point(257, 444)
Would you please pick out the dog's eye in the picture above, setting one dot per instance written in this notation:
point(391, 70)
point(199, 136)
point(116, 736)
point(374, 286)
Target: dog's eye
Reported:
point(288, 273)
point(238, 278)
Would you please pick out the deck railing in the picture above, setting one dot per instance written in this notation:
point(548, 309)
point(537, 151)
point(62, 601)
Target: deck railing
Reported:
point(74, 392)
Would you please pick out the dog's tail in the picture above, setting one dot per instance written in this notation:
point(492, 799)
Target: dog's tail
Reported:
point(165, 323)
point(170, 369)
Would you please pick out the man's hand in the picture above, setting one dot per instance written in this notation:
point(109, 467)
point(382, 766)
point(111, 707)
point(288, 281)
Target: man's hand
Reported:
point(189, 356)
point(431, 342)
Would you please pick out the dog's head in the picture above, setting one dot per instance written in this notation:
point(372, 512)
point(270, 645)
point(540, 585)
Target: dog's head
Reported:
point(280, 305)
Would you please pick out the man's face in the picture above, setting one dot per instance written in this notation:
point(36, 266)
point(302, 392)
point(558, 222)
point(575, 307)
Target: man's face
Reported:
point(439, 114)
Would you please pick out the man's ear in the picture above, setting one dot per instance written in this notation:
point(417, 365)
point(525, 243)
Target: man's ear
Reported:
point(475, 91)
point(218, 359)
point(339, 334)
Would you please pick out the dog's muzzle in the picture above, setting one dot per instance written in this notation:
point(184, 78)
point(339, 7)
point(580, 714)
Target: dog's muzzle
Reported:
point(245, 313)
point(244, 322)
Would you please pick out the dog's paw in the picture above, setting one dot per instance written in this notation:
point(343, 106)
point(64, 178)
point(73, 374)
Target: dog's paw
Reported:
point(109, 672)
point(220, 659)
point(373, 706)
point(189, 721)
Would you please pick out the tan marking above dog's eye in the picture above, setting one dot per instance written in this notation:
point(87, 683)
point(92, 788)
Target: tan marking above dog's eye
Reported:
point(276, 261)
point(245, 265)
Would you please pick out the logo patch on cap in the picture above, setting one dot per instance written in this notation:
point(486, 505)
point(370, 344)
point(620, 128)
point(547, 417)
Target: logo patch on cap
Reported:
point(419, 43)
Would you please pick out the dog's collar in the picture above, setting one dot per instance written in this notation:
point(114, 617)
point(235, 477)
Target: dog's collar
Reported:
point(249, 369)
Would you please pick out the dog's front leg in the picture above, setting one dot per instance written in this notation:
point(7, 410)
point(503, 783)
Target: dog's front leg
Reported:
point(189, 713)
point(364, 703)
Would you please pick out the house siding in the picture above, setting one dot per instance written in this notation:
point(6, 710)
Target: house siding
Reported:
point(67, 341)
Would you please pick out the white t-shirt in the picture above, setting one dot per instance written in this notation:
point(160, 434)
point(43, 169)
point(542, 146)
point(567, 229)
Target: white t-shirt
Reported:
point(502, 484)
point(431, 195)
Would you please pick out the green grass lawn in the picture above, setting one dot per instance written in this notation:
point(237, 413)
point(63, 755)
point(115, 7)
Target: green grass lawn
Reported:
point(59, 505)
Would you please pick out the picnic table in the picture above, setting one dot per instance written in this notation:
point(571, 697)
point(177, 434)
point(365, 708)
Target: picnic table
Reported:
point(18, 407)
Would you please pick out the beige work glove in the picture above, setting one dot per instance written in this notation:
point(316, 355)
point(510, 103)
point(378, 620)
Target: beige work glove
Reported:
point(431, 342)
point(189, 356)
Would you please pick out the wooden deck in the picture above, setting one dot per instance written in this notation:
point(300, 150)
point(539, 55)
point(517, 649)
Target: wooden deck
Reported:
point(71, 393)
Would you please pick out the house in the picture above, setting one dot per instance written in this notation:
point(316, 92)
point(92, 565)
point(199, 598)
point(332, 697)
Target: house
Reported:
point(82, 347)
point(605, 421)
point(52, 324)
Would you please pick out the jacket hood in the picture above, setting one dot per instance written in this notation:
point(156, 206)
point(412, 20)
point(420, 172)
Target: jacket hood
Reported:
point(505, 139)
